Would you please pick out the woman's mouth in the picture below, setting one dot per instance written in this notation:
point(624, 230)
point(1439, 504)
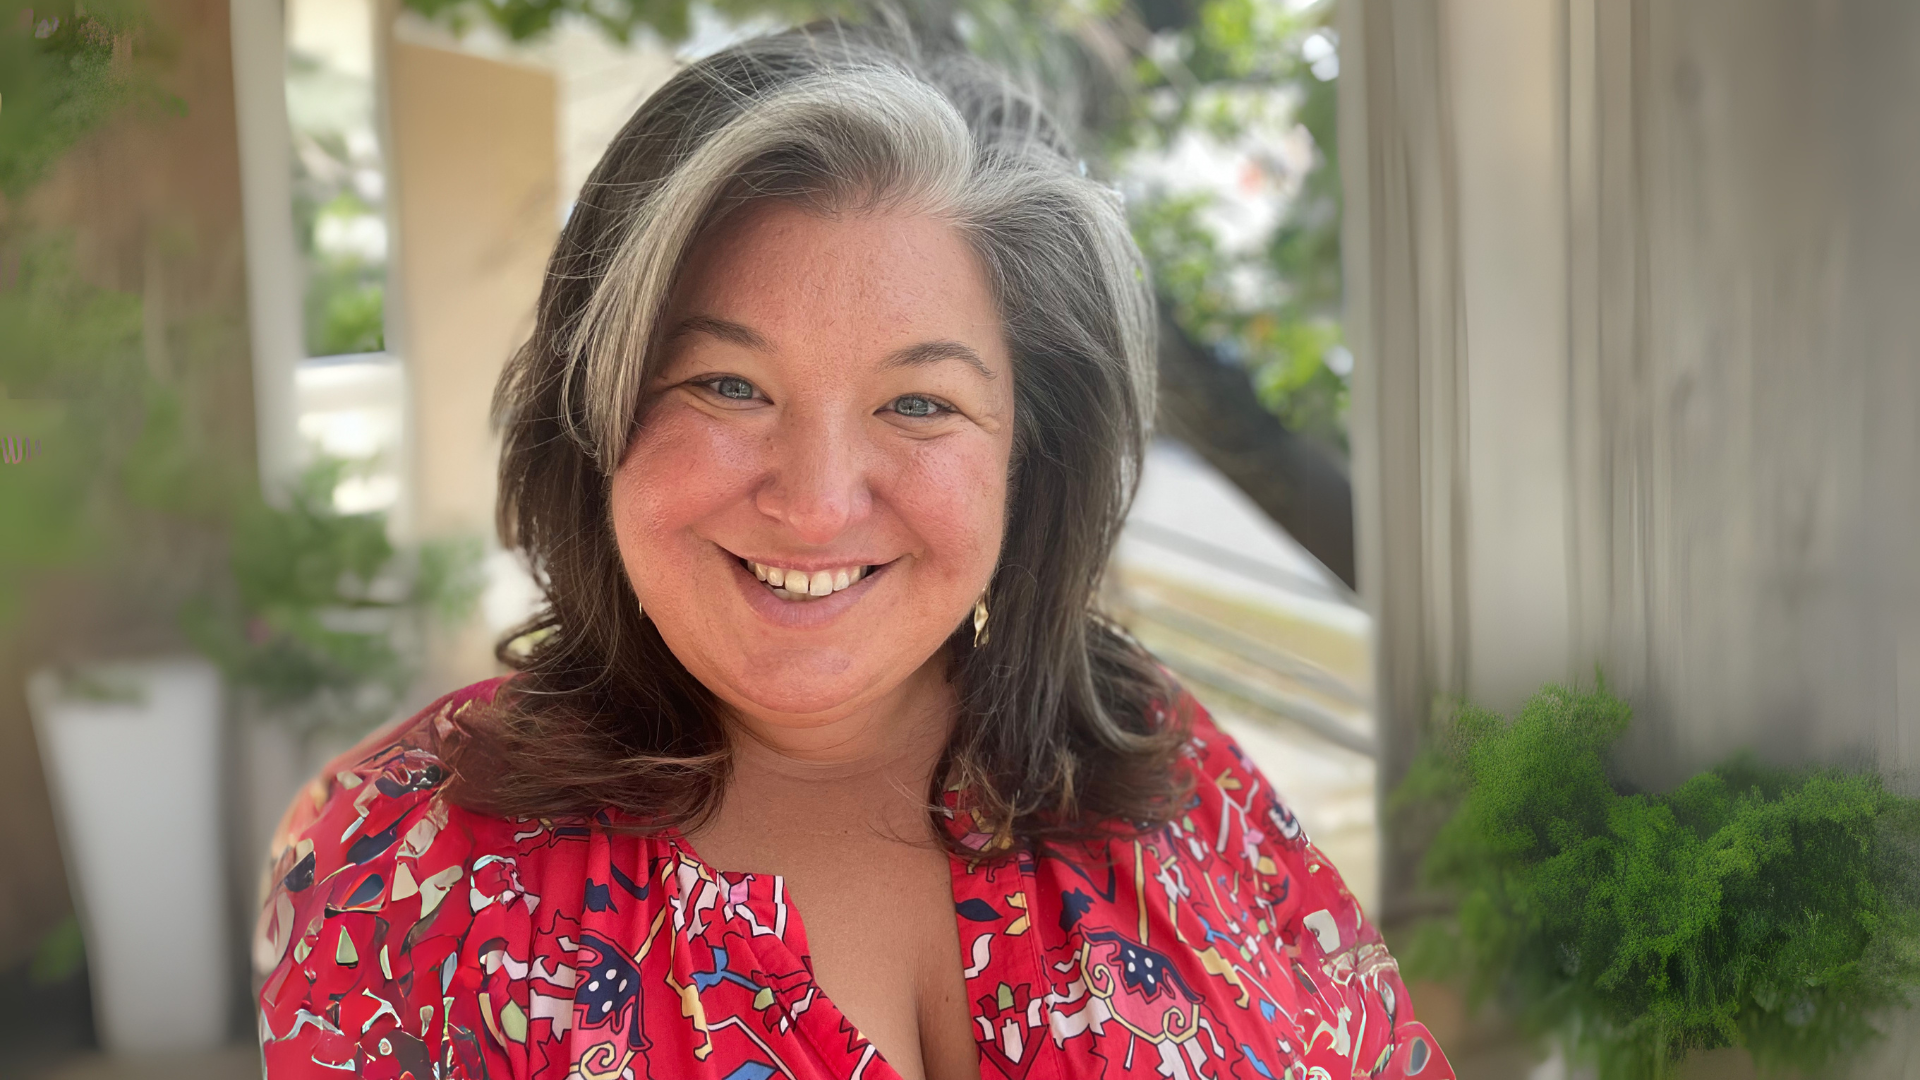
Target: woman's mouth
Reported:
point(802, 585)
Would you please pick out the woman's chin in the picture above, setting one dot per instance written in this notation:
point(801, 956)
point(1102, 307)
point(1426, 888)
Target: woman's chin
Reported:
point(808, 688)
point(797, 702)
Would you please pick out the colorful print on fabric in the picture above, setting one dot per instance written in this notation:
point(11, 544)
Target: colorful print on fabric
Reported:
point(407, 937)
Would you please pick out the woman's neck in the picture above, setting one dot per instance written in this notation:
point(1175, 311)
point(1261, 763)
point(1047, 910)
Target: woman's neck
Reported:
point(869, 770)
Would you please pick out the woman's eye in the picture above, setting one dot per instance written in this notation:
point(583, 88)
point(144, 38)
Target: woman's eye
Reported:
point(731, 386)
point(916, 406)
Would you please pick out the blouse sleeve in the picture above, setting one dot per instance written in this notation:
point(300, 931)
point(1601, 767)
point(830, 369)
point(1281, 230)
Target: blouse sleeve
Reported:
point(359, 941)
point(1367, 1024)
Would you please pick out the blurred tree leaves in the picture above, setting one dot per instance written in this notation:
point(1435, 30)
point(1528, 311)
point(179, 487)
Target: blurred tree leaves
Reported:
point(72, 378)
point(1142, 77)
point(64, 68)
point(74, 374)
point(314, 613)
point(346, 294)
point(1238, 69)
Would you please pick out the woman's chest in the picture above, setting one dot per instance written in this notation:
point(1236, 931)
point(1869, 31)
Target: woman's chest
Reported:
point(883, 946)
point(1139, 960)
point(848, 966)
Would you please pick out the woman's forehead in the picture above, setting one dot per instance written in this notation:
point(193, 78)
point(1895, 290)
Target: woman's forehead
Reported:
point(777, 242)
point(904, 288)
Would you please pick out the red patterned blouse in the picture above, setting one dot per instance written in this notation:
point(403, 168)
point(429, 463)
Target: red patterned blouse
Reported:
point(409, 937)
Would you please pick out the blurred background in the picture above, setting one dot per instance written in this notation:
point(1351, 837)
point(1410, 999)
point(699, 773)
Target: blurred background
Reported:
point(1503, 342)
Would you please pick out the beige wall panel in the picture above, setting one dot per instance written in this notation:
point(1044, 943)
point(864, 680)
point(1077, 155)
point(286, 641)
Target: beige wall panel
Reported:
point(1405, 324)
point(475, 164)
point(1503, 63)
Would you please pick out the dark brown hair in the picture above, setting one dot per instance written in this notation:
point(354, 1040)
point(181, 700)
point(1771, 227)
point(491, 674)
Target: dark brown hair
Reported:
point(1066, 727)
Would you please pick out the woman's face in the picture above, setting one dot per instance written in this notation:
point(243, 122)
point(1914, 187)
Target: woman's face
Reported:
point(835, 413)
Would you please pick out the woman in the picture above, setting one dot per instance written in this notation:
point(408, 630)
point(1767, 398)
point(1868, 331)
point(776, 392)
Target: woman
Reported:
point(817, 761)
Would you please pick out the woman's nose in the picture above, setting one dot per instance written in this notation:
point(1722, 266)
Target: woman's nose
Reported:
point(817, 484)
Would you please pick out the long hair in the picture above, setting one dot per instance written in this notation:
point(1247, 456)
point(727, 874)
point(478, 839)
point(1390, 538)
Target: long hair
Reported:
point(1065, 725)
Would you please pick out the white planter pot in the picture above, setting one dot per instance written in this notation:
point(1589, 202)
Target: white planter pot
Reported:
point(136, 792)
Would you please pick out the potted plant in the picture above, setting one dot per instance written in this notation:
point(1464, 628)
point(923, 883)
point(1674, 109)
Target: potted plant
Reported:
point(132, 755)
point(104, 530)
point(1771, 909)
point(320, 629)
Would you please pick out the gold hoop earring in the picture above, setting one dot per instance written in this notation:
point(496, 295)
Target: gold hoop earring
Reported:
point(980, 621)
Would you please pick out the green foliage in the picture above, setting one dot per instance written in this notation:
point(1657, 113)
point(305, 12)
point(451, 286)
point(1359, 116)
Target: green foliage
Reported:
point(317, 614)
point(75, 383)
point(128, 491)
point(346, 313)
point(59, 79)
point(1284, 346)
point(113, 448)
point(346, 293)
point(1772, 909)
point(59, 954)
point(1274, 311)
point(324, 622)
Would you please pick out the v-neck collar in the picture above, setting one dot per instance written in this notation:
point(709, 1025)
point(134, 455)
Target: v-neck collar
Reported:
point(968, 885)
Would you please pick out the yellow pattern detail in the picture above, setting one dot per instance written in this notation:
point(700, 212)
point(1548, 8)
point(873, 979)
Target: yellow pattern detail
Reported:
point(1019, 925)
point(403, 883)
point(691, 1006)
point(1216, 964)
point(1140, 888)
point(603, 1061)
point(514, 1020)
point(486, 1013)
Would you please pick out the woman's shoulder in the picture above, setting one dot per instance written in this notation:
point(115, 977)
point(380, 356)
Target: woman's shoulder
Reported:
point(413, 742)
point(389, 907)
point(1234, 809)
point(360, 805)
point(1217, 760)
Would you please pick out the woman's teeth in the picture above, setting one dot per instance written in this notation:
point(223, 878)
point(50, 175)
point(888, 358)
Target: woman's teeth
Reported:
point(801, 585)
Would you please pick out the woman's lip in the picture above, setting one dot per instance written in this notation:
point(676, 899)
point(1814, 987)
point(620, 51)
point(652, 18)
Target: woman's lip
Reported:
point(811, 565)
point(800, 614)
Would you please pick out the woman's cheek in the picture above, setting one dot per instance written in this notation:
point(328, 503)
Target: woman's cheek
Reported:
point(684, 465)
point(955, 493)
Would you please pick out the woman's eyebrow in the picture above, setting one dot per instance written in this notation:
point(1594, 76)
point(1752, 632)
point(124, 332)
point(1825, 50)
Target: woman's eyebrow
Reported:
point(927, 352)
point(932, 352)
point(724, 329)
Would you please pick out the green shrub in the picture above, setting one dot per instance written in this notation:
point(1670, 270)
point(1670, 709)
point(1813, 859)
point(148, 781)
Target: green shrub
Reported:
point(1753, 906)
point(324, 619)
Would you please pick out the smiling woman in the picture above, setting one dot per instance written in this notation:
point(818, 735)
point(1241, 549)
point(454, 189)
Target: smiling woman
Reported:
point(833, 408)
